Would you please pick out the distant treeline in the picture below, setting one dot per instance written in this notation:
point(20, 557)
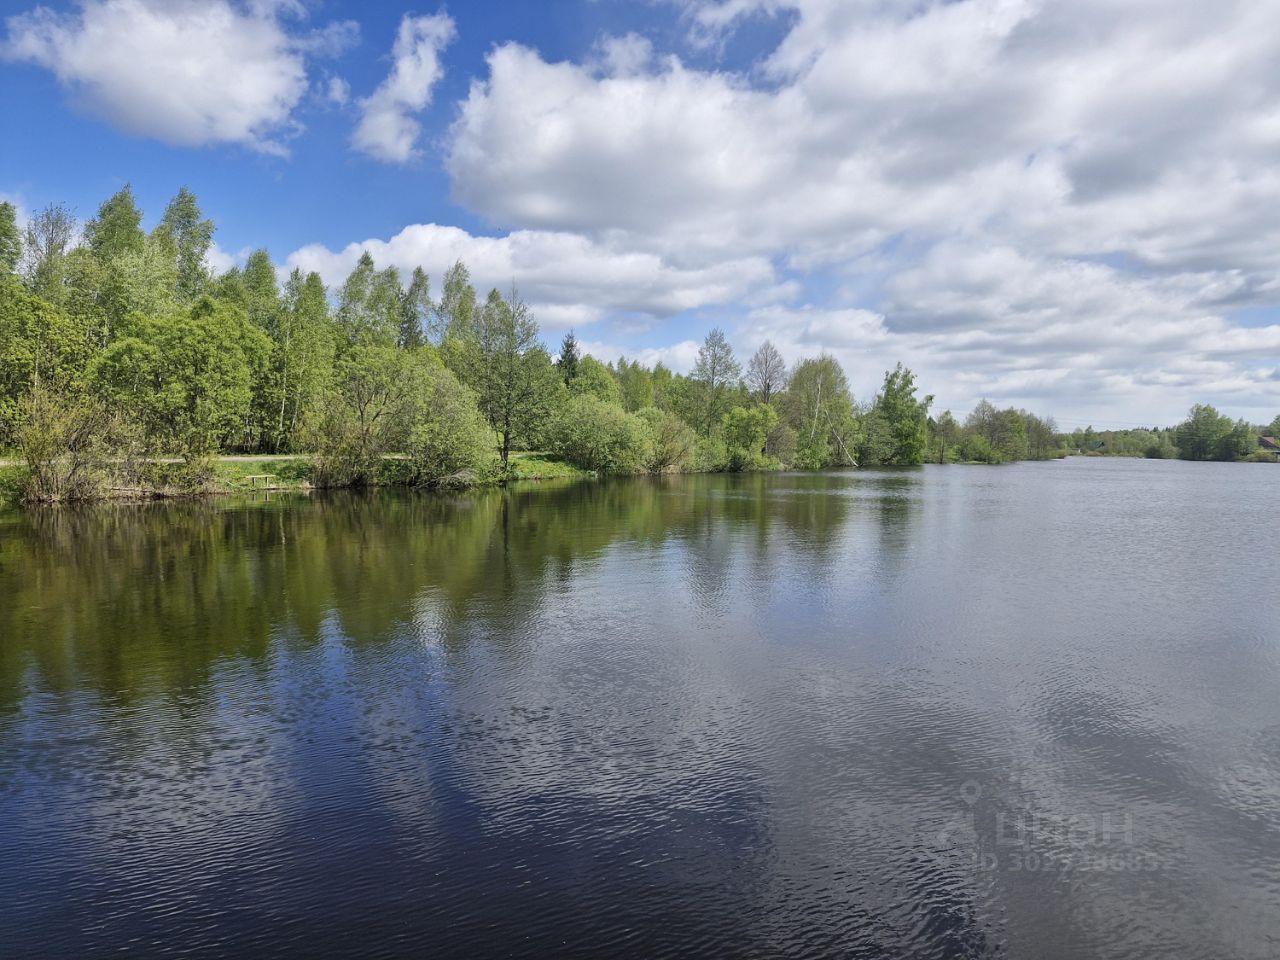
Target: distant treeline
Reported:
point(118, 345)
point(1206, 434)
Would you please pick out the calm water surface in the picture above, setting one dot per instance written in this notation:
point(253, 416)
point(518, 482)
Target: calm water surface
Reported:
point(1030, 711)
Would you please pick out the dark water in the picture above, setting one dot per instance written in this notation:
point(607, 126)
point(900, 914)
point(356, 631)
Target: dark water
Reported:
point(1030, 711)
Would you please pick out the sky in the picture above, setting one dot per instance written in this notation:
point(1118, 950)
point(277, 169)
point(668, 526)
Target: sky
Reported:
point(1071, 206)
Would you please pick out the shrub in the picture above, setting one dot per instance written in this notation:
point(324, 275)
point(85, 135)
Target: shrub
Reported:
point(672, 441)
point(66, 443)
point(452, 443)
point(975, 448)
point(744, 431)
point(600, 436)
point(379, 395)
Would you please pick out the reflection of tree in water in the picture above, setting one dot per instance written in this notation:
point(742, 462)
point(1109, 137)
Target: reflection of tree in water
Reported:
point(894, 497)
point(134, 598)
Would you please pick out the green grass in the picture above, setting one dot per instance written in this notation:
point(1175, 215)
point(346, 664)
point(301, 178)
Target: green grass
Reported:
point(11, 479)
point(294, 473)
point(531, 465)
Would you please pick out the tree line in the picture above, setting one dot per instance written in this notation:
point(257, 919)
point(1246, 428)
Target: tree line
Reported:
point(1204, 435)
point(119, 345)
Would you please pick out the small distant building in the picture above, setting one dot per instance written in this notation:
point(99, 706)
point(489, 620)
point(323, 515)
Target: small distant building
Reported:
point(1096, 446)
point(1270, 444)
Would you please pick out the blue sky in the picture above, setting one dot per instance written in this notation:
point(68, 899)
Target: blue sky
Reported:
point(1067, 206)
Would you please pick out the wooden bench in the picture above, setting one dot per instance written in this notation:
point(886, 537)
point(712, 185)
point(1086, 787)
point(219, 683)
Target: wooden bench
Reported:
point(264, 477)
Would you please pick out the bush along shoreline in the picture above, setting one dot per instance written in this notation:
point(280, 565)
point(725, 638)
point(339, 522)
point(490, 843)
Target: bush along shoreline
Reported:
point(117, 342)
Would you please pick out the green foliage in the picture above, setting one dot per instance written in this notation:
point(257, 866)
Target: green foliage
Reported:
point(65, 441)
point(1005, 431)
point(819, 409)
point(636, 382)
point(596, 435)
point(107, 290)
point(542, 466)
point(117, 229)
point(187, 235)
point(716, 374)
point(877, 444)
point(48, 239)
point(188, 378)
point(371, 305)
point(452, 443)
point(261, 291)
point(378, 395)
point(1208, 435)
point(744, 431)
point(302, 362)
point(1042, 437)
point(416, 312)
point(504, 362)
point(944, 435)
point(39, 344)
point(10, 238)
point(596, 380)
point(455, 313)
point(975, 448)
point(672, 441)
point(905, 419)
point(567, 362)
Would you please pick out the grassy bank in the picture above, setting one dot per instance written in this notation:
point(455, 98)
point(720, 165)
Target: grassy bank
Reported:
point(166, 478)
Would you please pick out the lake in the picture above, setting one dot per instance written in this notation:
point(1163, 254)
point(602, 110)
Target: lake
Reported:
point(1023, 711)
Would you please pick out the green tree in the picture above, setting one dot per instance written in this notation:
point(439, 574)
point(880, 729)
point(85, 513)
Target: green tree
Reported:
point(10, 238)
point(1005, 431)
point(451, 442)
point(66, 440)
point(819, 409)
point(417, 311)
point(567, 362)
point(744, 431)
point(716, 374)
point(261, 291)
point(1042, 436)
point(48, 239)
point(636, 383)
point(1205, 435)
point(304, 355)
point(945, 434)
point(672, 441)
point(595, 379)
point(906, 418)
point(601, 436)
point(510, 371)
point(353, 302)
point(39, 344)
point(117, 229)
point(378, 395)
point(188, 378)
point(141, 282)
point(1237, 443)
point(188, 236)
point(456, 310)
point(371, 305)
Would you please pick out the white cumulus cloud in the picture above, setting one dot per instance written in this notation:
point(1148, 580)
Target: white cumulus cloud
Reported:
point(1051, 201)
point(568, 279)
point(387, 129)
point(185, 72)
